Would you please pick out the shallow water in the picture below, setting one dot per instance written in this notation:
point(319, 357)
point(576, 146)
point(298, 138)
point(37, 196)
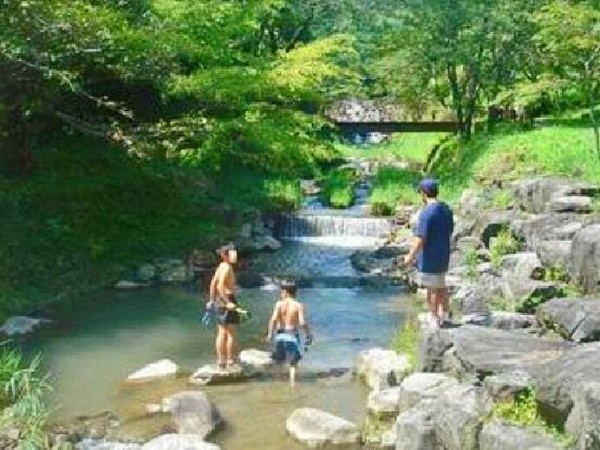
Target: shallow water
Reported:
point(101, 342)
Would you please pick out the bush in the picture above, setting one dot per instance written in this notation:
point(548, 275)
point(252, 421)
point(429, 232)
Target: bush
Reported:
point(338, 188)
point(503, 244)
point(392, 187)
point(471, 261)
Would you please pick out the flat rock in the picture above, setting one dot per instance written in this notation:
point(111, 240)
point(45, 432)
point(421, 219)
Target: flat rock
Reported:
point(584, 419)
point(179, 442)
point(384, 402)
point(212, 374)
point(93, 444)
point(503, 320)
point(499, 436)
point(257, 360)
point(571, 203)
point(422, 386)
point(316, 428)
point(459, 415)
point(19, 325)
point(193, 413)
point(487, 351)
point(415, 429)
point(575, 319)
point(165, 368)
point(382, 368)
point(584, 262)
point(522, 264)
point(558, 381)
point(505, 386)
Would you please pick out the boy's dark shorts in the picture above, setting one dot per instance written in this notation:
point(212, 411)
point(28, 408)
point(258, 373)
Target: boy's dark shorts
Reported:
point(287, 348)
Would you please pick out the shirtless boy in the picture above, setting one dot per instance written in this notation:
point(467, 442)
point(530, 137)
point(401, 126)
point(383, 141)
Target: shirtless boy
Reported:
point(222, 295)
point(285, 324)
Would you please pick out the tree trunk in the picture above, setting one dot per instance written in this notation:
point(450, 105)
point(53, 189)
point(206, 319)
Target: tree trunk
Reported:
point(457, 99)
point(593, 118)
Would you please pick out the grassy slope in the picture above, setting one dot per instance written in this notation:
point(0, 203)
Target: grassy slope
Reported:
point(511, 153)
point(88, 214)
point(402, 146)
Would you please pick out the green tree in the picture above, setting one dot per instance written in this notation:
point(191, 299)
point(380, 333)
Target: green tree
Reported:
point(569, 35)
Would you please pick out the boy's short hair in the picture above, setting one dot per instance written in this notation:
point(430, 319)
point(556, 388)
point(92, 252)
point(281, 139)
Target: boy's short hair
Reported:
point(289, 286)
point(224, 250)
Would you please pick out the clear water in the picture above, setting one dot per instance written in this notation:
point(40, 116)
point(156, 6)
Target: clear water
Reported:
point(96, 345)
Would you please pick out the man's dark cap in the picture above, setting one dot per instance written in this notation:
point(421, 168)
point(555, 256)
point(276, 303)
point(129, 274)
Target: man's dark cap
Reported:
point(429, 186)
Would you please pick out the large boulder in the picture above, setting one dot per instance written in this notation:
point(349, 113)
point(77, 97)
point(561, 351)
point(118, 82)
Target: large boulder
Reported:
point(382, 368)
point(93, 444)
point(19, 325)
point(584, 263)
point(432, 347)
point(522, 264)
point(415, 429)
point(212, 374)
point(584, 419)
point(540, 194)
point(558, 381)
point(554, 253)
point(575, 319)
point(193, 413)
point(422, 386)
point(487, 351)
point(256, 360)
point(551, 227)
point(473, 297)
point(179, 442)
point(165, 368)
point(499, 436)
point(384, 402)
point(317, 428)
point(459, 415)
point(508, 385)
point(173, 270)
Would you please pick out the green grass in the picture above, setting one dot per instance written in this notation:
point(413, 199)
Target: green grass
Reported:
point(511, 153)
point(338, 188)
point(392, 187)
point(406, 340)
point(401, 147)
point(523, 411)
point(22, 390)
point(503, 244)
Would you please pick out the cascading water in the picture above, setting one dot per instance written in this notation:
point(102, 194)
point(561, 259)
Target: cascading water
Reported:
point(308, 225)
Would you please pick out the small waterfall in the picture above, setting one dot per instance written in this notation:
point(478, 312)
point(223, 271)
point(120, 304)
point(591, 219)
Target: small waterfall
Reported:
point(303, 225)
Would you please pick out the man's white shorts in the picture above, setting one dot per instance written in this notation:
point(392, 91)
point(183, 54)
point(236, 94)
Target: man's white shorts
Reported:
point(432, 280)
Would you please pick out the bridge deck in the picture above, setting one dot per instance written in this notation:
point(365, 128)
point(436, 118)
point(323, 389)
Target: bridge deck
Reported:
point(397, 127)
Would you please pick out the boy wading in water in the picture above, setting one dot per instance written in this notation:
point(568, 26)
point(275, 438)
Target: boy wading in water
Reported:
point(222, 296)
point(431, 247)
point(285, 324)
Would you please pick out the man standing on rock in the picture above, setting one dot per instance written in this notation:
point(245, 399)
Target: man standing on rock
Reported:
point(286, 321)
point(431, 248)
point(222, 298)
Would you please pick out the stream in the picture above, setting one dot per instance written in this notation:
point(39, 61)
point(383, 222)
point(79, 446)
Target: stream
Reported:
point(99, 343)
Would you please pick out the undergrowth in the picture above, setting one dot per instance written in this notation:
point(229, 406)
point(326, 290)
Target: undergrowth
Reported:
point(501, 245)
point(406, 340)
point(338, 188)
point(523, 411)
point(392, 187)
point(22, 389)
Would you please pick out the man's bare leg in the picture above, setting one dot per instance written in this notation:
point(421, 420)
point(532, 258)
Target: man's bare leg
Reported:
point(445, 302)
point(438, 299)
point(431, 306)
point(220, 345)
point(230, 343)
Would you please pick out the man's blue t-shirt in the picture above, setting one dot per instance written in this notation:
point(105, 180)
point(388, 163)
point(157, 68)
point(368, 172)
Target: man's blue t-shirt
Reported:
point(435, 226)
